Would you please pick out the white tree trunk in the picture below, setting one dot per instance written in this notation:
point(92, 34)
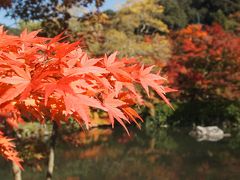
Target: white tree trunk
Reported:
point(52, 151)
point(16, 172)
point(50, 164)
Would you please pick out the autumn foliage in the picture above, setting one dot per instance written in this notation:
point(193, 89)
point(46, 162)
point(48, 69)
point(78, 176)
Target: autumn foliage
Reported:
point(205, 63)
point(47, 79)
point(7, 150)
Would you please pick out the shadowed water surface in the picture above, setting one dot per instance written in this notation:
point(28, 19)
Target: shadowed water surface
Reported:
point(147, 155)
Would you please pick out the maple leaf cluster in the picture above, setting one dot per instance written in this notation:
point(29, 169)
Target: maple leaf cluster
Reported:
point(7, 150)
point(46, 79)
point(205, 63)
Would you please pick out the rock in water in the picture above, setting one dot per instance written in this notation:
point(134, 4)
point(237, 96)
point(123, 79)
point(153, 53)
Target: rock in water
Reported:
point(209, 133)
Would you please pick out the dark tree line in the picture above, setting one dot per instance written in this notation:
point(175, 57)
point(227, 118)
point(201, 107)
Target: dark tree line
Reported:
point(179, 13)
point(53, 14)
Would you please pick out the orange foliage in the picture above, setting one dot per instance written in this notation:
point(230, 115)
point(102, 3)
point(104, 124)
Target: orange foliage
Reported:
point(84, 138)
point(205, 63)
point(43, 78)
point(7, 150)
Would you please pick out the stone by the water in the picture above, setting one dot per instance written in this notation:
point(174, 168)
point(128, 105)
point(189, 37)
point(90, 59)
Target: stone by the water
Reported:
point(208, 133)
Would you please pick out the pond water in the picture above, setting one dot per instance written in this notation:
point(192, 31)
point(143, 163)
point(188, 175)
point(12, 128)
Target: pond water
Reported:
point(146, 155)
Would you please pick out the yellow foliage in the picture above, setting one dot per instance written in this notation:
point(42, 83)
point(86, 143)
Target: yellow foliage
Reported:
point(29, 25)
point(106, 34)
point(158, 50)
point(147, 11)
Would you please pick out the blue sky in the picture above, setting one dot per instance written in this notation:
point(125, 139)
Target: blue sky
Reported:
point(109, 4)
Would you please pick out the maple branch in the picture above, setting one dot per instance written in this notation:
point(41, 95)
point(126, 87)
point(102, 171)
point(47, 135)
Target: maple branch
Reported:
point(50, 78)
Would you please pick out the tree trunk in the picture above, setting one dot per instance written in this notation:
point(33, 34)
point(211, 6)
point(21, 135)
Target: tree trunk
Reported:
point(9, 131)
point(53, 140)
point(16, 172)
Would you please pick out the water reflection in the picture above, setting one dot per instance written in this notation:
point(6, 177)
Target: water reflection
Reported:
point(149, 155)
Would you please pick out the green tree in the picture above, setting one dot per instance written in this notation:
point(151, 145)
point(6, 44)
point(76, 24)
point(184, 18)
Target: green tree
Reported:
point(179, 13)
point(174, 14)
point(209, 11)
